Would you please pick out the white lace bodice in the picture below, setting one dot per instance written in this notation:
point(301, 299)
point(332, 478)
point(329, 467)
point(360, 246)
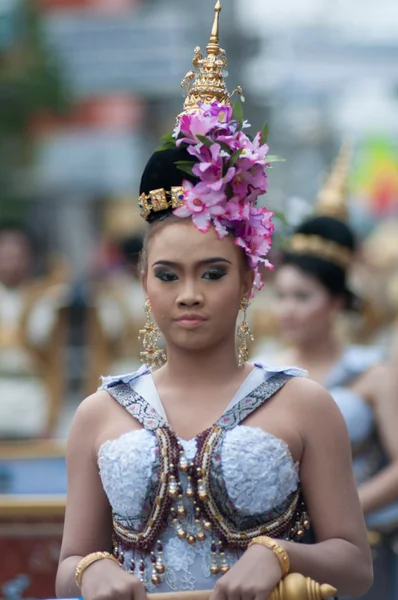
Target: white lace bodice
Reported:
point(253, 474)
point(258, 470)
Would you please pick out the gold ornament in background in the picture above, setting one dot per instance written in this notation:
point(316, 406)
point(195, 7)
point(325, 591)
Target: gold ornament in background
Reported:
point(332, 199)
point(153, 356)
point(120, 220)
point(206, 84)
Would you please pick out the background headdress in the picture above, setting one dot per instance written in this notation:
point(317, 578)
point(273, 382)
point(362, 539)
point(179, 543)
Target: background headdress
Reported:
point(209, 169)
point(324, 245)
point(332, 198)
point(332, 205)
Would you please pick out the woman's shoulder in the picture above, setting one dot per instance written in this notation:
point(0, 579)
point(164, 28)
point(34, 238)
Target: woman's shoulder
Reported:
point(311, 404)
point(110, 381)
point(94, 408)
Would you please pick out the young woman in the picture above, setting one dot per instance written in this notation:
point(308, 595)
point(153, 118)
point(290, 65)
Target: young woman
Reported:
point(207, 472)
point(311, 290)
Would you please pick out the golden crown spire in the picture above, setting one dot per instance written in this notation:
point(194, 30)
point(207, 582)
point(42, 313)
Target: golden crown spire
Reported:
point(332, 199)
point(206, 84)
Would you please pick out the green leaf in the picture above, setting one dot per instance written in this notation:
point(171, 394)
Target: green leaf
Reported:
point(165, 147)
point(187, 170)
point(264, 134)
point(237, 113)
point(185, 163)
point(280, 215)
point(272, 159)
point(185, 166)
point(205, 141)
point(225, 147)
point(234, 157)
point(168, 138)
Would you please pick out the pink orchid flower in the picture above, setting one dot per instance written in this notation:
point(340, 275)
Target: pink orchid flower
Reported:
point(210, 171)
point(237, 210)
point(191, 126)
point(202, 204)
point(221, 111)
point(252, 151)
point(254, 178)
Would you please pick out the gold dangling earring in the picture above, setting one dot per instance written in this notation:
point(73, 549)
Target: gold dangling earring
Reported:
point(244, 335)
point(151, 355)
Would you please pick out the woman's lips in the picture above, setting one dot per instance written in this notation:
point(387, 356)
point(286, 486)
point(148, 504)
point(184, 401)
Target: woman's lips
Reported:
point(190, 321)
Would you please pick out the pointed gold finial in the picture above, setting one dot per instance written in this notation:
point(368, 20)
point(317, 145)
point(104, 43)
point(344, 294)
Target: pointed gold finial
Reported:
point(215, 32)
point(206, 84)
point(332, 199)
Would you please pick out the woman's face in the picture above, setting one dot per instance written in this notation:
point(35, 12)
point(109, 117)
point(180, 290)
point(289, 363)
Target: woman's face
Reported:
point(195, 283)
point(304, 307)
point(15, 258)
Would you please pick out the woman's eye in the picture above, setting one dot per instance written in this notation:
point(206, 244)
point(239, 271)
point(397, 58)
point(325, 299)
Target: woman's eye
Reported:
point(214, 274)
point(166, 276)
point(302, 297)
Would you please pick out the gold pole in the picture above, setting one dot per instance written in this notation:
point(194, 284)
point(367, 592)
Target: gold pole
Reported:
point(292, 587)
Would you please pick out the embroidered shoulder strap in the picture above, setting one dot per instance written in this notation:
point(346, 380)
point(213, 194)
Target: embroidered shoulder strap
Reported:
point(136, 405)
point(254, 400)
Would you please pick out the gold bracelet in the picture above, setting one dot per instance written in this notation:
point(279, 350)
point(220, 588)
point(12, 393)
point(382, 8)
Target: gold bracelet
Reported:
point(89, 560)
point(279, 552)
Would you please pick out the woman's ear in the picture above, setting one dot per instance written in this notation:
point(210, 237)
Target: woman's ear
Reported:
point(144, 281)
point(247, 283)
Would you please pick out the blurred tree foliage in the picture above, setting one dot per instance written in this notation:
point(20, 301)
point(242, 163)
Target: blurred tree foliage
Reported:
point(30, 83)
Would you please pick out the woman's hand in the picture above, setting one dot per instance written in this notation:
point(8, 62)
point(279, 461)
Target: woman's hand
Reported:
point(253, 577)
point(105, 580)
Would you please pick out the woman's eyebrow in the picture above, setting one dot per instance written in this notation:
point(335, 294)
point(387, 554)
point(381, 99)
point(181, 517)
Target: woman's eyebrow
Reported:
point(207, 261)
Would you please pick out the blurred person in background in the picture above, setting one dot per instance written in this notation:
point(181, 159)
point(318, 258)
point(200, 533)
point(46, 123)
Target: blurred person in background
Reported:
point(376, 272)
point(312, 291)
point(31, 339)
point(116, 311)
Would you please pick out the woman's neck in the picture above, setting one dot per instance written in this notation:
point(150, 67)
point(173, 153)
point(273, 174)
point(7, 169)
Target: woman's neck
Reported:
point(189, 368)
point(318, 357)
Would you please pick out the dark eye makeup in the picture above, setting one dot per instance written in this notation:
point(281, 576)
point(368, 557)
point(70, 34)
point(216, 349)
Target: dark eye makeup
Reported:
point(165, 275)
point(210, 274)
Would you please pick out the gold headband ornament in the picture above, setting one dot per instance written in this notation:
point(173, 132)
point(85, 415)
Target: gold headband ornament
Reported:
point(319, 247)
point(228, 164)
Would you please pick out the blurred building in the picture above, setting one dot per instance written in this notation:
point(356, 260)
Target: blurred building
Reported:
point(328, 70)
point(123, 61)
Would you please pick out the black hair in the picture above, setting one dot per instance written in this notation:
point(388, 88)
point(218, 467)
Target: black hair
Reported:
point(332, 276)
point(131, 247)
point(162, 172)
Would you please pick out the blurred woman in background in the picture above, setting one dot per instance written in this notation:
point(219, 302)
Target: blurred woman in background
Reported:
point(312, 291)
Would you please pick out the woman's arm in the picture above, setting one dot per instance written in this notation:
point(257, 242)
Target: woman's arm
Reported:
point(380, 385)
point(341, 557)
point(88, 519)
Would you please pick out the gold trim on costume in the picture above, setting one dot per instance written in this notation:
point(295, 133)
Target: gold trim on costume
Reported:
point(160, 199)
point(319, 247)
